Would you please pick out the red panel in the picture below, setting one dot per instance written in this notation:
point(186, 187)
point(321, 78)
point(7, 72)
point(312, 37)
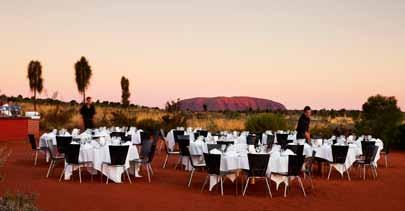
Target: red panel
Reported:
point(17, 129)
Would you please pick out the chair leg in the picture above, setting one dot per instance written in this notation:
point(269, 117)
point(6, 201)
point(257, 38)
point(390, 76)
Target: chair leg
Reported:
point(386, 160)
point(166, 159)
point(36, 157)
point(330, 171)
point(348, 173)
point(150, 168)
point(310, 180)
point(126, 171)
point(80, 174)
point(148, 171)
point(246, 186)
point(268, 187)
point(375, 170)
point(364, 172)
point(107, 180)
point(63, 173)
point(285, 188)
point(101, 173)
point(372, 171)
point(178, 162)
point(191, 177)
point(302, 185)
point(49, 169)
point(205, 182)
point(222, 187)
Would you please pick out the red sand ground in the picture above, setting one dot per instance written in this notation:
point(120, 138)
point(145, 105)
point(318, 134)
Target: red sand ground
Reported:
point(168, 190)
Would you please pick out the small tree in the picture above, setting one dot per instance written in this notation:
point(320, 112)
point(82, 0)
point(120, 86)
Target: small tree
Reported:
point(205, 107)
point(380, 117)
point(83, 74)
point(266, 121)
point(35, 79)
point(125, 91)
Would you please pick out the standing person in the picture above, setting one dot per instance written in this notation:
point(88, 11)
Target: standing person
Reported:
point(303, 124)
point(88, 111)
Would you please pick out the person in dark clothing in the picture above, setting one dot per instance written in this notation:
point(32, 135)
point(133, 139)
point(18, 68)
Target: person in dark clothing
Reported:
point(303, 125)
point(88, 111)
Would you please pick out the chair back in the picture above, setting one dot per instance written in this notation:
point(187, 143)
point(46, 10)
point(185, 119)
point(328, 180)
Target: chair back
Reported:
point(225, 142)
point(259, 137)
point(62, 142)
point(72, 152)
point(295, 163)
point(369, 153)
point(196, 135)
point(297, 149)
point(282, 139)
point(117, 135)
point(270, 139)
point(251, 139)
point(203, 133)
point(184, 143)
point(145, 136)
point(213, 146)
point(366, 144)
point(148, 150)
point(52, 149)
point(118, 154)
point(258, 164)
point(177, 133)
point(33, 142)
point(213, 163)
point(152, 153)
point(339, 153)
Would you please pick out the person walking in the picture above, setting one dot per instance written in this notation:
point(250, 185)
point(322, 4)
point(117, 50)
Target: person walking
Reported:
point(88, 111)
point(303, 124)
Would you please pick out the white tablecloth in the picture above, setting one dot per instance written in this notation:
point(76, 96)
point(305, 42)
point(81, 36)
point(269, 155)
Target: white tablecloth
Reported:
point(325, 152)
point(98, 155)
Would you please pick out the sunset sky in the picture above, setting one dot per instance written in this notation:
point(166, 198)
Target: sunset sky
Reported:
point(323, 53)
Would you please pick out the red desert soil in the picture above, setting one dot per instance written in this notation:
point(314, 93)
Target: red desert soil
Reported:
point(168, 190)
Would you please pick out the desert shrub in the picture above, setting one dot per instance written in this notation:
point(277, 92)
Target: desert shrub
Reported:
point(400, 137)
point(325, 131)
point(57, 117)
point(232, 114)
point(120, 118)
point(212, 126)
point(150, 125)
point(174, 120)
point(18, 202)
point(381, 118)
point(266, 121)
point(103, 121)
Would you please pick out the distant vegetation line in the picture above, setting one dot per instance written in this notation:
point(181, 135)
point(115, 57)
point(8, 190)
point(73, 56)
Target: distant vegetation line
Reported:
point(51, 101)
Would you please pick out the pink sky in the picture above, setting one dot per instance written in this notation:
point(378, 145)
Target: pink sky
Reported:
point(327, 54)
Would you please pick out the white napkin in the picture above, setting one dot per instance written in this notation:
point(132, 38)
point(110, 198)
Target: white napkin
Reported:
point(215, 151)
point(287, 152)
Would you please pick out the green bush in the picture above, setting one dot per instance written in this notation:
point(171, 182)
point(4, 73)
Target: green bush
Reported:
point(380, 118)
point(18, 202)
point(174, 120)
point(232, 114)
point(400, 137)
point(120, 118)
point(57, 117)
point(267, 121)
point(150, 125)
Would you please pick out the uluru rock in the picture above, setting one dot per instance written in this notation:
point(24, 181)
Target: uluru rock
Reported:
point(230, 104)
